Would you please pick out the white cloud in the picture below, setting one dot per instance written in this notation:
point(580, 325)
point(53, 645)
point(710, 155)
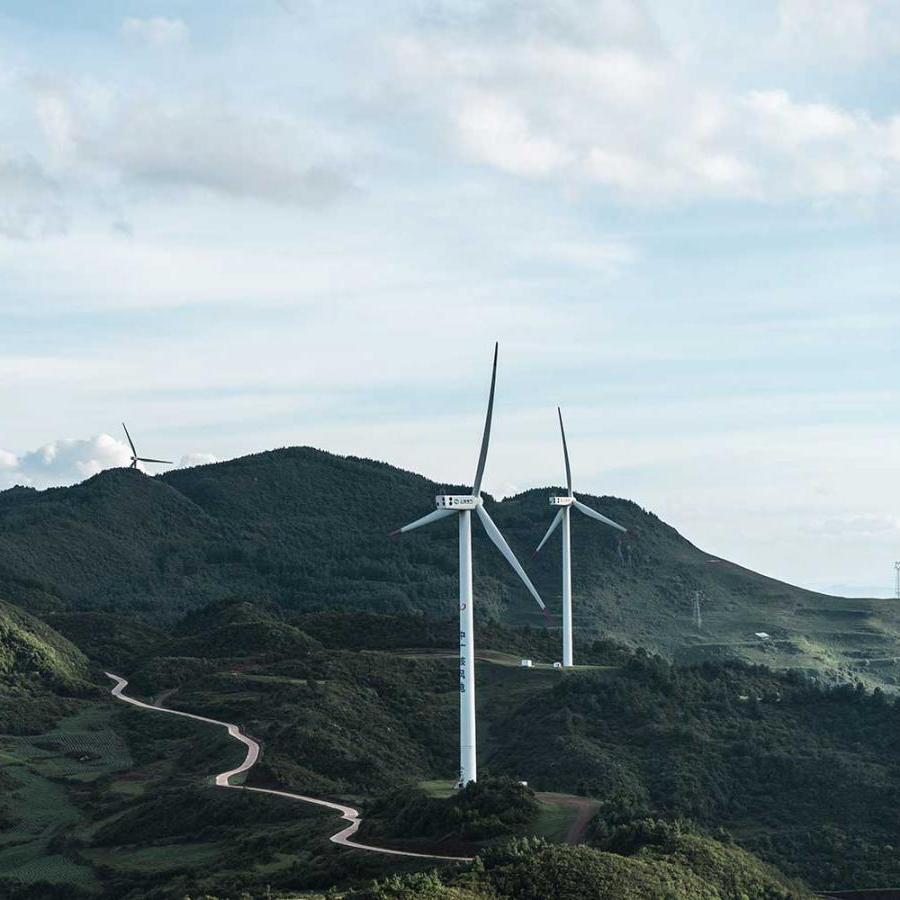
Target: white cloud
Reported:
point(200, 144)
point(625, 22)
point(67, 461)
point(113, 142)
point(196, 459)
point(636, 119)
point(850, 29)
point(157, 31)
point(30, 203)
point(860, 526)
point(63, 461)
point(495, 131)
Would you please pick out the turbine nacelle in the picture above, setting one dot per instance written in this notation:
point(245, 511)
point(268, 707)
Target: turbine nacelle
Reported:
point(456, 501)
point(135, 459)
point(562, 501)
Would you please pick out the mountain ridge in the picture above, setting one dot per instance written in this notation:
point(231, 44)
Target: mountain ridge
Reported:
point(307, 530)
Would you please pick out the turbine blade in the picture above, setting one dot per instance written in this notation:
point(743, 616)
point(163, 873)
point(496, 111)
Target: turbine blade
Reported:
point(500, 541)
point(595, 515)
point(425, 520)
point(130, 441)
point(165, 462)
point(486, 436)
point(553, 526)
point(565, 452)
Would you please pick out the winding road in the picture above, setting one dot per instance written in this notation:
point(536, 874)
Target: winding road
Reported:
point(223, 779)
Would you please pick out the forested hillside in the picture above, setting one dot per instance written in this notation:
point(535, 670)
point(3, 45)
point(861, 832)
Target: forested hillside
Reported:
point(364, 707)
point(39, 669)
point(307, 530)
point(265, 591)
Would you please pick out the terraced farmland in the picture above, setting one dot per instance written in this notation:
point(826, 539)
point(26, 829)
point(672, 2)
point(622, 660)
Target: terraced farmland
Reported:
point(41, 768)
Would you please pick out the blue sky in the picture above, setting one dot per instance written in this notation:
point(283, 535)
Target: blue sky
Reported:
point(246, 226)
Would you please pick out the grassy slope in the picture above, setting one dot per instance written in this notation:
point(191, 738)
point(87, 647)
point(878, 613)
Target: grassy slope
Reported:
point(307, 529)
point(40, 671)
point(29, 647)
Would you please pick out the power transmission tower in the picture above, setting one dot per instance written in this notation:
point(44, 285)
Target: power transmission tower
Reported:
point(698, 619)
point(897, 586)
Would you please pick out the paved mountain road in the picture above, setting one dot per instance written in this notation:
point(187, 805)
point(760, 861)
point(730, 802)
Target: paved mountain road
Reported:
point(223, 779)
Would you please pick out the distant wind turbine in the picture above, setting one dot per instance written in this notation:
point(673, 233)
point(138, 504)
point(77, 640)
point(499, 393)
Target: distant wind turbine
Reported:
point(462, 506)
point(135, 459)
point(563, 516)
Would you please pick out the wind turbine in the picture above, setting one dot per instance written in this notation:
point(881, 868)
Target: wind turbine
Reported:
point(462, 506)
point(135, 459)
point(563, 516)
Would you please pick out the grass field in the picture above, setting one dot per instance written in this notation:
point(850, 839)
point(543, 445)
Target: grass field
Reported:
point(81, 750)
point(564, 817)
point(42, 812)
point(158, 858)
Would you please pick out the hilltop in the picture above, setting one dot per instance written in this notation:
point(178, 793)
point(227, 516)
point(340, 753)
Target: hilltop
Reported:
point(307, 530)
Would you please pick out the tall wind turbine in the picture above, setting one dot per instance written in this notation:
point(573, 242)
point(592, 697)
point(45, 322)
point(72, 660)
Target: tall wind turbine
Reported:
point(563, 516)
point(135, 459)
point(462, 506)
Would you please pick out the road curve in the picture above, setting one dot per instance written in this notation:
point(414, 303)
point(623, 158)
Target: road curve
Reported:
point(223, 779)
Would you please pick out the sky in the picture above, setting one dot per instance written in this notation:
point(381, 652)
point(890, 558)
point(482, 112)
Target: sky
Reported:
point(295, 222)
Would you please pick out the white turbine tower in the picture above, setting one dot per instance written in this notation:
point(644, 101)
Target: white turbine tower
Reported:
point(563, 516)
point(462, 506)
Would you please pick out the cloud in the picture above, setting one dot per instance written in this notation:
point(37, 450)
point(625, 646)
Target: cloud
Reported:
point(30, 204)
point(196, 459)
point(270, 157)
point(857, 526)
point(854, 30)
point(495, 131)
point(116, 141)
point(157, 31)
point(68, 461)
point(64, 461)
point(625, 114)
point(625, 22)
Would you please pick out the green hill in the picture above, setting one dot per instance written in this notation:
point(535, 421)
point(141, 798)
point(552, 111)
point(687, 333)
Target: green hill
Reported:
point(38, 669)
point(28, 647)
point(803, 775)
point(672, 864)
point(307, 530)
